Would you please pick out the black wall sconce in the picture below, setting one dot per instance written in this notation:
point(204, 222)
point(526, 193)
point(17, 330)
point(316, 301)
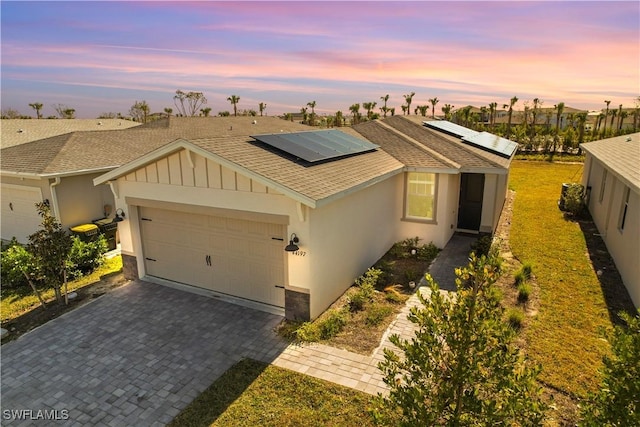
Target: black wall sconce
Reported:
point(293, 243)
point(119, 216)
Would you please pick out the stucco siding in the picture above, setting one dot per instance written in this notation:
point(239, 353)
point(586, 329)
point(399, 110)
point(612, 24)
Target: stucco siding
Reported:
point(80, 202)
point(606, 207)
point(348, 236)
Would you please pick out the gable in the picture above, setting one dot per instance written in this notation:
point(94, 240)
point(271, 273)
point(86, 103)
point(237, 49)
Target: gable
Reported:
point(189, 169)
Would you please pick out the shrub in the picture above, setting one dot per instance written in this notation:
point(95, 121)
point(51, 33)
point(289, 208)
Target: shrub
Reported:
point(524, 290)
point(357, 301)
point(519, 278)
point(526, 270)
point(482, 246)
point(391, 294)
point(573, 200)
point(15, 258)
point(515, 318)
point(403, 248)
point(377, 313)
point(368, 281)
point(331, 324)
point(86, 256)
point(308, 332)
point(428, 252)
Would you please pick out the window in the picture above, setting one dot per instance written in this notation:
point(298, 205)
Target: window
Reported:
point(624, 208)
point(603, 185)
point(420, 197)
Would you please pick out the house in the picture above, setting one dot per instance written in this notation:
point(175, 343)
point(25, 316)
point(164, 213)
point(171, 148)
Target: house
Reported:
point(285, 221)
point(60, 168)
point(612, 179)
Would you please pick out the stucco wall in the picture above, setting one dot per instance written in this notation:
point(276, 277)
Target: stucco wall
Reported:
point(80, 202)
point(495, 192)
point(623, 245)
point(439, 231)
point(348, 236)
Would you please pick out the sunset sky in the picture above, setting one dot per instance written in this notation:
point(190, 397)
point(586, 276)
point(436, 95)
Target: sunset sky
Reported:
point(103, 56)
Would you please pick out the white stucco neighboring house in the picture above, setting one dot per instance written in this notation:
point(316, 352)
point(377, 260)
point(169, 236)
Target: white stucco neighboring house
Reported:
point(214, 214)
point(612, 179)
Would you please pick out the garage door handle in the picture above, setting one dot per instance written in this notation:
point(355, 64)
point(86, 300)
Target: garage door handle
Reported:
point(277, 238)
point(278, 286)
point(150, 259)
point(207, 260)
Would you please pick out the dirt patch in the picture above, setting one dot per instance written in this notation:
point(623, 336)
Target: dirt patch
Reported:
point(39, 316)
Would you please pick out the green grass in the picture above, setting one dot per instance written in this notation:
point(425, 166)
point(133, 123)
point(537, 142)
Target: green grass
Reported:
point(564, 336)
point(17, 302)
point(253, 393)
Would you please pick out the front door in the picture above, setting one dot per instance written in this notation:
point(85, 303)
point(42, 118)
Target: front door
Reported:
point(470, 204)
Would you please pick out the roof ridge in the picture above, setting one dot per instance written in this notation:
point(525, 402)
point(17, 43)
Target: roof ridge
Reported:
point(422, 147)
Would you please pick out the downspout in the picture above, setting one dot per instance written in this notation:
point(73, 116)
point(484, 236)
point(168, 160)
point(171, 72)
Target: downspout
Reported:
point(54, 198)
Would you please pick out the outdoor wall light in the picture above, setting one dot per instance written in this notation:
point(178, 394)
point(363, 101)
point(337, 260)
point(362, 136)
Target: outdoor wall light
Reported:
point(293, 241)
point(119, 215)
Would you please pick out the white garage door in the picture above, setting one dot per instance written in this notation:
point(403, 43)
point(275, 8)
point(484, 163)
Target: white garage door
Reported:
point(236, 257)
point(19, 215)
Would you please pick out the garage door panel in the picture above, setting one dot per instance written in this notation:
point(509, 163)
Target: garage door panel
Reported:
point(245, 261)
point(19, 215)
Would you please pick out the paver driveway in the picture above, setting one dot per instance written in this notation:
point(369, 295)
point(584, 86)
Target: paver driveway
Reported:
point(135, 356)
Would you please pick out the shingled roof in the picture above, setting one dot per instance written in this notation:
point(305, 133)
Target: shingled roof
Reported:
point(418, 146)
point(621, 155)
point(81, 152)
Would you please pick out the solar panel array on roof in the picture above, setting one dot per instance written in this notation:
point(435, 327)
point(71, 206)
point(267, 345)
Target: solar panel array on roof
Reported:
point(450, 128)
point(316, 146)
point(488, 141)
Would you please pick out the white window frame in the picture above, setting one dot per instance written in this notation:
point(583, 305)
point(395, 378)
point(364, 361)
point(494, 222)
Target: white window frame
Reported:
point(603, 184)
point(624, 209)
point(424, 178)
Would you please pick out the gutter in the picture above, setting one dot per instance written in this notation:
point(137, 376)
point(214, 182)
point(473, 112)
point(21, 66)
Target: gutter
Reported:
point(54, 198)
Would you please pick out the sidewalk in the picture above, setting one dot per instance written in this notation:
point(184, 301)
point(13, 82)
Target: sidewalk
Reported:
point(359, 371)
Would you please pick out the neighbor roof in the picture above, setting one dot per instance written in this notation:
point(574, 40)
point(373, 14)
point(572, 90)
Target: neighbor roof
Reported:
point(84, 152)
point(21, 131)
point(621, 155)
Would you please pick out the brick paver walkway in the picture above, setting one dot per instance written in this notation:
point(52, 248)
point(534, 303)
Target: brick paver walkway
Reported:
point(143, 352)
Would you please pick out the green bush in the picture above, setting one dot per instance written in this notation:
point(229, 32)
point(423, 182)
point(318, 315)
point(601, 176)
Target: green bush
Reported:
point(527, 270)
point(573, 200)
point(377, 313)
point(332, 324)
point(428, 252)
point(524, 290)
point(15, 258)
point(482, 246)
point(357, 300)
point(391, 294)
point(519, 278)
point(515, 318)
point(308, 332)
point(403, 248)
point(368, 281)
point(86, 256)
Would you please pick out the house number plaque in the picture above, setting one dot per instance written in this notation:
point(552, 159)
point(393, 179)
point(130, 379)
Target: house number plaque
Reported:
point(299, 253)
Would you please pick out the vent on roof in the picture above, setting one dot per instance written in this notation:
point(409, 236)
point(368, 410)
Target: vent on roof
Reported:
point(316, 146)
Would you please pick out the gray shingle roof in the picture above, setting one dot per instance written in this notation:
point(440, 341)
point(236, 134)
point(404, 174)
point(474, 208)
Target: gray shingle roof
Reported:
point(621, 155)
point(20, 131)
point(84, 151)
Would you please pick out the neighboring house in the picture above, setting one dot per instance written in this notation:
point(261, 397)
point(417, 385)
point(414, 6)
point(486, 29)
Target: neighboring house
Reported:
point(61, 168)
point(612, 178)
point(214, 214)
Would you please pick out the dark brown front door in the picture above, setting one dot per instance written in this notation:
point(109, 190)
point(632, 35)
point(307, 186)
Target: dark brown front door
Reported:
point(470, 205)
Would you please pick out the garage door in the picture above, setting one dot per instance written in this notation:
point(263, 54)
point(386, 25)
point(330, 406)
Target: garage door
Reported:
point(236, 257)
point(19, 215)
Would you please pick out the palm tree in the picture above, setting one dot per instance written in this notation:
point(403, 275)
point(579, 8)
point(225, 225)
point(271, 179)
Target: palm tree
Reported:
point(446, 110)
point(369, 106)
point(510, 105)
point(606, 114)
point(205, 111)
point(305, 115)
point(536, 107)
point(168, 111)
point(355, 111)
point(422, 109)
point(384, 109)
point(559, 107)
point(312, 104)
point(582, 121)
point(339, 119)
point(37, 106)
point(623, 115)
point(620, 118)
point(233, 99)
point(409, 98)
point(433, 102)
point(492, 113)
point(262, 106)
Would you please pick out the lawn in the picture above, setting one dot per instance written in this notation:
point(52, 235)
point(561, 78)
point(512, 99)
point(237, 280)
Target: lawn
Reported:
point(252, 393)
point(565, 334)
point(19, 301)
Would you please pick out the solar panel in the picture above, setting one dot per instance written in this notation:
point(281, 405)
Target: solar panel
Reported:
point(490, 142)
point(316, 146)
point(450, 128)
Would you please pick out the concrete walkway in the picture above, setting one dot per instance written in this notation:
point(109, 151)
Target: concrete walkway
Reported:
point(141, 353)
point(452, 256)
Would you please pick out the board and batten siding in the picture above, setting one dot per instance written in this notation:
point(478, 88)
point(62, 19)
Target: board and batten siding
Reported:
point(176, 169)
